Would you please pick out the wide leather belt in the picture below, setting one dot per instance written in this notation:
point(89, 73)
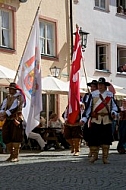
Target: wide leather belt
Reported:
point(123, 118)
point(102, 114)
point(95, 115)
point(71, 125)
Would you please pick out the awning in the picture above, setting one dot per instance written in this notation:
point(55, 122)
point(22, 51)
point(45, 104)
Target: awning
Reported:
point(6, 75)
point(120, 95)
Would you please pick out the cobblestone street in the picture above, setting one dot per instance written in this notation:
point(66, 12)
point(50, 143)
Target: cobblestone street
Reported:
point(59, 170)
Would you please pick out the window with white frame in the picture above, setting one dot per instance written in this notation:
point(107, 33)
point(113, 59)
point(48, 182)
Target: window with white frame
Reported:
point(47, 38)
point(102, 57)
point(121, 59)
point(6, 29)
point(100, 4)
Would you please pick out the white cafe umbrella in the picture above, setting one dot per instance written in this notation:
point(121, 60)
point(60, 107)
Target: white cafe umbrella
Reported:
point(83, 84)
point(117, 87)
point(6, 73)
point(6, 76)
point(52, 85)
point(120, 95)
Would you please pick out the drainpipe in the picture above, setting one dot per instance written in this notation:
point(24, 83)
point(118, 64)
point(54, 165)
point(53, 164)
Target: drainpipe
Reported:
point(71, 27)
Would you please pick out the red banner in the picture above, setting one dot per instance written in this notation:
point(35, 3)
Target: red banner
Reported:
point(74, 88)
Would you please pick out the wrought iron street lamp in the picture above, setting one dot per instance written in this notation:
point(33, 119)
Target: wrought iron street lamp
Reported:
point(55, 71)
point(83, 36)
point(22, 1)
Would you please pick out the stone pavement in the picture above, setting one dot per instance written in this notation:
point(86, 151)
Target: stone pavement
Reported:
point(59, 170)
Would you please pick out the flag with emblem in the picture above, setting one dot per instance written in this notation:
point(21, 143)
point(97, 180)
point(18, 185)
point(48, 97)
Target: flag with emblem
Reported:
point(74, 87)
point(29, 79)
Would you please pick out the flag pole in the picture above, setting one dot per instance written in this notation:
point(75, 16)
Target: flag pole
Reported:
point(85, 72)
point(83, 65)
point(27, 40)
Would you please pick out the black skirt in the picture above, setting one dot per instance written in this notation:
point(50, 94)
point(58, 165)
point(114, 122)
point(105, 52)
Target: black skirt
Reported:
point(100, 134)
point(12, 132)
point(73, 132)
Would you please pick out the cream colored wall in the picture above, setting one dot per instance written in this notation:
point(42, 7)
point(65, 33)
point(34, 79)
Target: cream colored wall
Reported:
point(25, 13)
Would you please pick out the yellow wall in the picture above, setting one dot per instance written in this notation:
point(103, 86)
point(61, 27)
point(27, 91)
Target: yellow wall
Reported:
point(25, 13)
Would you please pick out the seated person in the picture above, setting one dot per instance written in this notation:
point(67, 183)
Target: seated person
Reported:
point(54, 122)
point(64, 114)
point(121, 68)
point(1, 139)
point(36, 136)
point(42, 121)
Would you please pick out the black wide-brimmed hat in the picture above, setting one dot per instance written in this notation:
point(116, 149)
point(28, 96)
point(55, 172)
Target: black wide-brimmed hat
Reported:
point(102, 80)
point(94, 82)
point(12, 85)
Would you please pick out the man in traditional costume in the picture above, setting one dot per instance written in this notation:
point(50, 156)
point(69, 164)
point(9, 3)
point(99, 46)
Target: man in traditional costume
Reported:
point(11, 112)
point(100, 108)
point(73, 133)
point(93, 86)
point(121, 147)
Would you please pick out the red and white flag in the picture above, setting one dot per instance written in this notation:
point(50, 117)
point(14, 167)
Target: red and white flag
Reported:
point(74, 88)
point(111, 88)
point(29, 79)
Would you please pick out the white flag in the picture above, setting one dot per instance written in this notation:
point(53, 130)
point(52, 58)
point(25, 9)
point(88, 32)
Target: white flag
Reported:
point(29, 79)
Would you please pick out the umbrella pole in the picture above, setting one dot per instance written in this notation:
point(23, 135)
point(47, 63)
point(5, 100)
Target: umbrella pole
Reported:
point(47, 109)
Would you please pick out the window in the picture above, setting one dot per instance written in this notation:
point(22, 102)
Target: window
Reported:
point(121, 3)
point(121, 59)
point(100, 4)
point(6, 28)
point(3, 94)
point(47, 38)
point(76, 1)
point(102, 57)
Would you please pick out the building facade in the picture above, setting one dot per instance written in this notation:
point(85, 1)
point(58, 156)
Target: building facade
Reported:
point(105, 20)
point(105, 55)
point(16, 21)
